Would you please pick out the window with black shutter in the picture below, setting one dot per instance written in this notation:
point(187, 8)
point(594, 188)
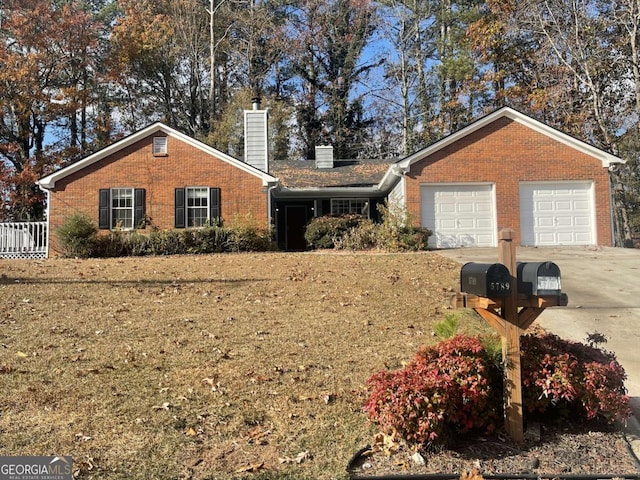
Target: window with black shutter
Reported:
point(180, 213)
point(139, 204)
point(214, 205)
point(104, 211)
point(197, 206)
point(121, 208)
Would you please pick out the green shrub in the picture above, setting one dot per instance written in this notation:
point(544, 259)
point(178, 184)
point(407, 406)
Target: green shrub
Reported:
point(324, 232)
point(448, 327)
point(165, 242)
point(187, 241)
point(77, 236)
point(364, 236)
point(139, 245)
point(355, 232)
point(249, 238)
point(397, 232)
point(212, 239)
point(121, 243)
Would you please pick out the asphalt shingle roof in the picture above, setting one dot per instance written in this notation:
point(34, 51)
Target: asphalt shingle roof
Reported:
point(345, 173)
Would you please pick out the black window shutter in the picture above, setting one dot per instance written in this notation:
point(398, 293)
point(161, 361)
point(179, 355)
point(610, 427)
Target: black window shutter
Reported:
point(104, 208)
point(214, 205)
point(139, 197)
point(179, 208)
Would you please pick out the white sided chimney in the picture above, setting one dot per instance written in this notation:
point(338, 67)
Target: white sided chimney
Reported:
point(256, 147)
point(324, 156)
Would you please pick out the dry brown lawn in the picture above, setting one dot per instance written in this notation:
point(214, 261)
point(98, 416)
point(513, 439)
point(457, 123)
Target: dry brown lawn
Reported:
point(208, 367)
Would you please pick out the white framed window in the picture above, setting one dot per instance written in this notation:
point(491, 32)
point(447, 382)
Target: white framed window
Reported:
point(160, 146)
point(342, 206)
point(122, 208)
point(197, 206)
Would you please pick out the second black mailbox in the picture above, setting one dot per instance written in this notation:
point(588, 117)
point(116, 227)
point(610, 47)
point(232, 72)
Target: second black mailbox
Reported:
point(485, 279)
point(539, 278)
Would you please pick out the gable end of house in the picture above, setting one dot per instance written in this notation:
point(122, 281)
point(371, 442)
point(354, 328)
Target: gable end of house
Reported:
point(159, 132)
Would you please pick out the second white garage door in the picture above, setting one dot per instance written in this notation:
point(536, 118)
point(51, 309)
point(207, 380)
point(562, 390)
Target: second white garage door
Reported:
point(459, 215)
point(557, 213)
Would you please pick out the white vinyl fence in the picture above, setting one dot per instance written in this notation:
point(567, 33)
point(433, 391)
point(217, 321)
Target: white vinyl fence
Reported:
point(23, 240)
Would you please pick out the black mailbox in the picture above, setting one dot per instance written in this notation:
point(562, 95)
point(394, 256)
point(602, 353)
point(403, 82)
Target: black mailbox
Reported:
point(539, 278)
point(485, 279)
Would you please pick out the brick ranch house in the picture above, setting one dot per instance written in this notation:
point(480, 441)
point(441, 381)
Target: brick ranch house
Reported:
point(504, 170)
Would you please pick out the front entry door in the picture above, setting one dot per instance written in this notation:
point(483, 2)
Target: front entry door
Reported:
point(295, 219)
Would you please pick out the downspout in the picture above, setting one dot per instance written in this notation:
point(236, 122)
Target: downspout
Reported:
point(612, 208)
point(401, 173)
point(619, 222)
point(47, 210)
point(270, 190)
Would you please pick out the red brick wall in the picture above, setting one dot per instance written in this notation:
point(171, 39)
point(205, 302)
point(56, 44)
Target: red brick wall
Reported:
point(505, 153)
point(242, 194)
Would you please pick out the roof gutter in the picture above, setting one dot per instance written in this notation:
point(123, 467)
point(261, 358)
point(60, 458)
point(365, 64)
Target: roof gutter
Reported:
point(392, 176)
point(329, 192)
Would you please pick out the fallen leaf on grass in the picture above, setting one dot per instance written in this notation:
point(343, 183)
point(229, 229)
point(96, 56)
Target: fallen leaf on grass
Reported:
point(301, 457)
point(81, 437)
point(83, 466)
point(210, 380)
point(260, 379)
point(472, 475)
point(258, 436)
point(191, 432)
point(250, 468)
point(5, 369)
point(389, 444)
point(328, 398)
point(21, 355)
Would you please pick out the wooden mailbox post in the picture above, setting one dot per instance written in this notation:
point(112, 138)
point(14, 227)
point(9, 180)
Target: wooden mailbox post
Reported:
point(510, 317)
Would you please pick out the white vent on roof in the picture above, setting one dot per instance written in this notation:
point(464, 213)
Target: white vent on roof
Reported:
point(324, 156)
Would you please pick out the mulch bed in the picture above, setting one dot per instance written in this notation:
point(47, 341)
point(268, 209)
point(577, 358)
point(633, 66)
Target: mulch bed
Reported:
point(548, 450)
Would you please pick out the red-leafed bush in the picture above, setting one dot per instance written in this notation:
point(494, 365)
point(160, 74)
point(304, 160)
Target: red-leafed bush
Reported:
point(563, 376)
point(457, 386)
point(445, 389)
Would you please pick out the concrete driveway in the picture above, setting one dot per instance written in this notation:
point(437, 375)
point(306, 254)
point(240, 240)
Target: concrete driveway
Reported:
point(603, 285)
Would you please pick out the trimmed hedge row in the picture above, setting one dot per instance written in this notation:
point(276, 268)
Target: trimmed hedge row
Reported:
point(78, 237)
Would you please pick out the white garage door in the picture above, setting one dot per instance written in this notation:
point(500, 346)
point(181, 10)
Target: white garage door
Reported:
point(557, 213)
point(459, 215)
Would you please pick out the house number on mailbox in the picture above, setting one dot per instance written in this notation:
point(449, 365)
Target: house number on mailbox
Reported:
point(500, 287)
